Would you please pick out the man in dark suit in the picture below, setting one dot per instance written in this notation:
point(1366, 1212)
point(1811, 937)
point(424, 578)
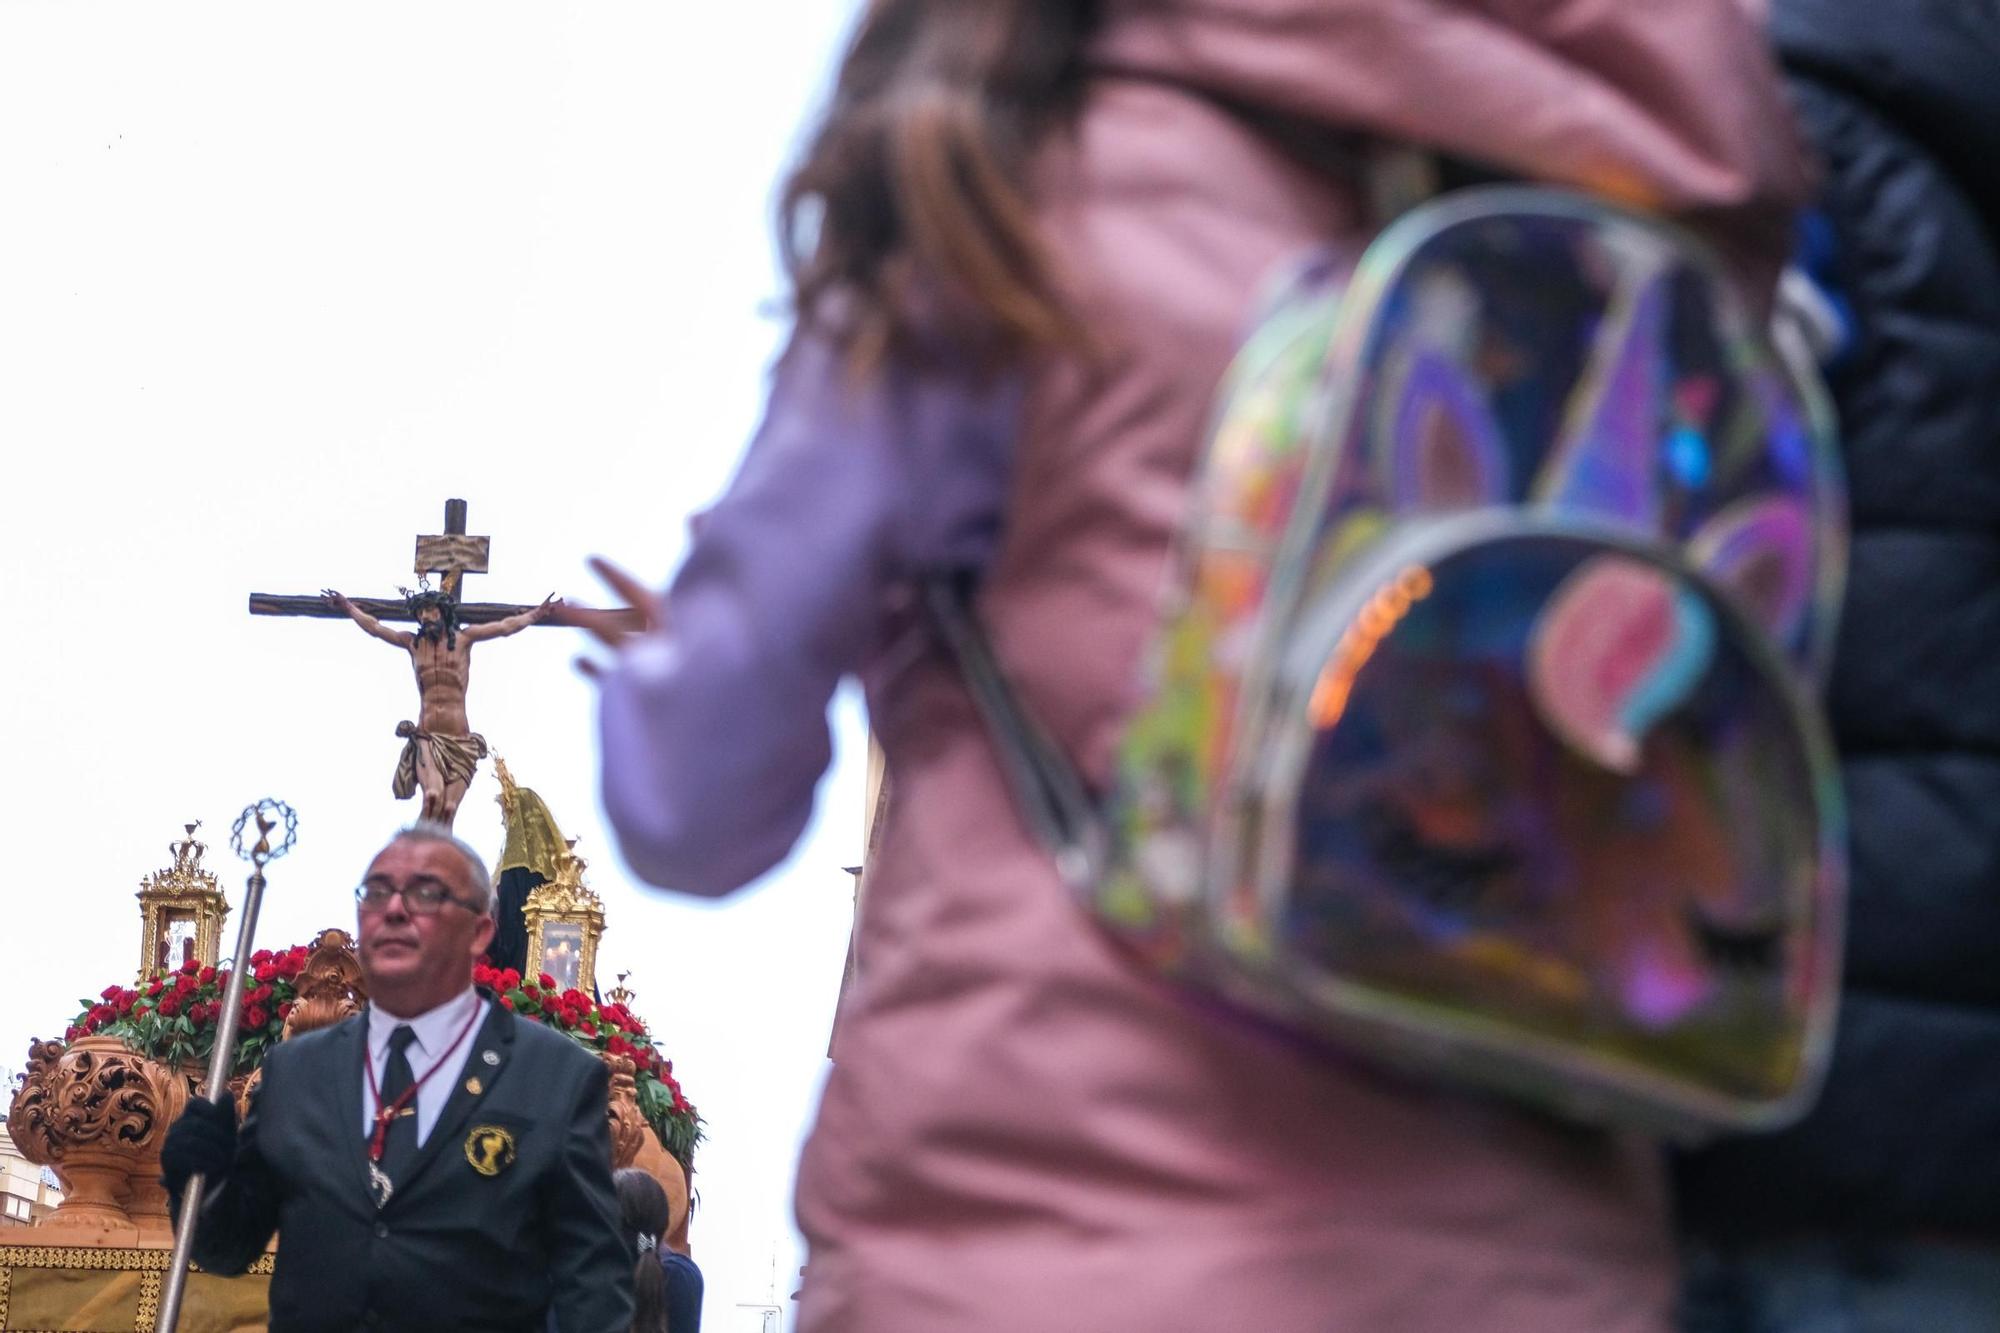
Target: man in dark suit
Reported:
point(431, 1163)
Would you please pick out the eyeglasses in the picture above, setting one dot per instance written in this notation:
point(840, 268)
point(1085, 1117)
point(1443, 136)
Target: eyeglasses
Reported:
point(422, 896)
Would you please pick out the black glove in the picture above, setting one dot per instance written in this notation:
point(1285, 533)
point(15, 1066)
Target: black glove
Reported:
point(202, 1142)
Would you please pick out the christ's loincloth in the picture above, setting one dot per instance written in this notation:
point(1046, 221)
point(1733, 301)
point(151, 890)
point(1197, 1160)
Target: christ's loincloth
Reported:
point(456, 757)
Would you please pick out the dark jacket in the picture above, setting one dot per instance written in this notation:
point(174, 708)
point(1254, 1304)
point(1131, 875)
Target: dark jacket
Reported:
point(1902, 101)
point(528, 1243)
point(684, 1290)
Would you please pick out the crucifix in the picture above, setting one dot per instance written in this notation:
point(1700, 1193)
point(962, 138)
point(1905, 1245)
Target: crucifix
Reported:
point(440, 750)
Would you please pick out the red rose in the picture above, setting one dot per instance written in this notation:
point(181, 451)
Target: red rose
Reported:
point(255, 1016)
point(170, 1003)
point(265, 972)
point(125, 1003)
point(507, 1000)
point(72, 1032)
point(198, 1012)
point(190, 967)
point(186, 984)
point(259, 958)
point(547, 982)
point(206, 975)
point(285, 1010)
point(109, 993)
point(262, 995)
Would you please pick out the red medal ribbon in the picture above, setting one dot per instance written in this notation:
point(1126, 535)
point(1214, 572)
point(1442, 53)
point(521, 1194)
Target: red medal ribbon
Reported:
point(379, 1141)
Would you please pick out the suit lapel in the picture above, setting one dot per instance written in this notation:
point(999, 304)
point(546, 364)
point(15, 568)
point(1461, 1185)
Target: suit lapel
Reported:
point(492, 1052)
point(349, 1105)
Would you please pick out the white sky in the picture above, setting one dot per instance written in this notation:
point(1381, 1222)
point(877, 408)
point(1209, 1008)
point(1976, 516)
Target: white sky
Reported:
point(275, 281)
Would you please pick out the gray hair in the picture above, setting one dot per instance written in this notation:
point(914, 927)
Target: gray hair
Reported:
point(429, 830)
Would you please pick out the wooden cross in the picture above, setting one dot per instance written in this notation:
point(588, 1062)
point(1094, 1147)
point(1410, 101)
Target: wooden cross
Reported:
point(452, 554)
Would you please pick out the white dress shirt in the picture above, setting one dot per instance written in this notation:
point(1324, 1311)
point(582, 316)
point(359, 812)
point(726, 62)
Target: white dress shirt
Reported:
point(435, 1029)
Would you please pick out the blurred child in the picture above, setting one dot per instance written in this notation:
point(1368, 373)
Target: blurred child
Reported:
point(1024, 242)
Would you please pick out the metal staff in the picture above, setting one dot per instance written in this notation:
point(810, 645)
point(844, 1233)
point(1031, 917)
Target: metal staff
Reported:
point(268, 815)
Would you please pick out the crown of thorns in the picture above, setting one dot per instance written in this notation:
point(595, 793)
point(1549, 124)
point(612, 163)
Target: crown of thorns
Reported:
point(418, 599)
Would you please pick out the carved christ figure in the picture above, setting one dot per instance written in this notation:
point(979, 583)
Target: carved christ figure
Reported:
point(441, 751)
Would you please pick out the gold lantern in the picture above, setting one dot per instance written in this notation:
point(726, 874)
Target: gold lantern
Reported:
point(565, 920)
point(181, 911)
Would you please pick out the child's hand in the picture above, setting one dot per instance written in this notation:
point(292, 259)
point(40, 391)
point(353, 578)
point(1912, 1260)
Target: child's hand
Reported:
point(644, 612)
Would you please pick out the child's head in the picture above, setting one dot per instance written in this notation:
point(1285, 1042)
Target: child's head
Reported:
point(910, 212)
point(919, 166)
point(643, 1216)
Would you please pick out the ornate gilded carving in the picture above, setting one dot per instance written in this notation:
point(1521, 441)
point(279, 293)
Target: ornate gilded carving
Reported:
point(181, 910)
point(241, 1087)
point(98, 1109)
point(102, 1258)
point(564, 921)
point(149, 1301)
point(629, 1130)
point(31, 1116)
point(146, 1198)
point(654, 1159)
point(329, 987)
point(147, 1263)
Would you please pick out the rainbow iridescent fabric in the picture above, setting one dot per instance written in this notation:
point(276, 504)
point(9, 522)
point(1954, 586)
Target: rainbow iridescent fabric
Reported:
point(1482, 734)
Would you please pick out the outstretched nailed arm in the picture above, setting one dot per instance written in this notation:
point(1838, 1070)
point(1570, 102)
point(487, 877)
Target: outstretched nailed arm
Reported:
point(339, 602)
point(500, 629)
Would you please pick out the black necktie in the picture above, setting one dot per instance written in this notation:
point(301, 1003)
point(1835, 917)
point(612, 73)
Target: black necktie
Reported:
point(401, 1143)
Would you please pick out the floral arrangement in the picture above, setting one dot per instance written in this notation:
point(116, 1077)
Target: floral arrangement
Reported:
point(610, 1028)
point(173, 1019)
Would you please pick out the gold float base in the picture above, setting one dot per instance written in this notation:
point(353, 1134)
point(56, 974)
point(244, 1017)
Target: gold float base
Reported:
point(108, 1289)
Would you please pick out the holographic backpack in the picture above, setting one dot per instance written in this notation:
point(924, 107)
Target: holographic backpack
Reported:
point(1481, 736)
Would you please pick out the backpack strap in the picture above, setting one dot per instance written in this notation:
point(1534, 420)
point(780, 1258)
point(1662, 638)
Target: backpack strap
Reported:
point(1048, 790)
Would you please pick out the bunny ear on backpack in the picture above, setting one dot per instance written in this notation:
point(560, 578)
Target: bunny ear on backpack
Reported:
point(1620, 645)
point(1607, 462)
point(1761, 550)
point(1444, 450)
